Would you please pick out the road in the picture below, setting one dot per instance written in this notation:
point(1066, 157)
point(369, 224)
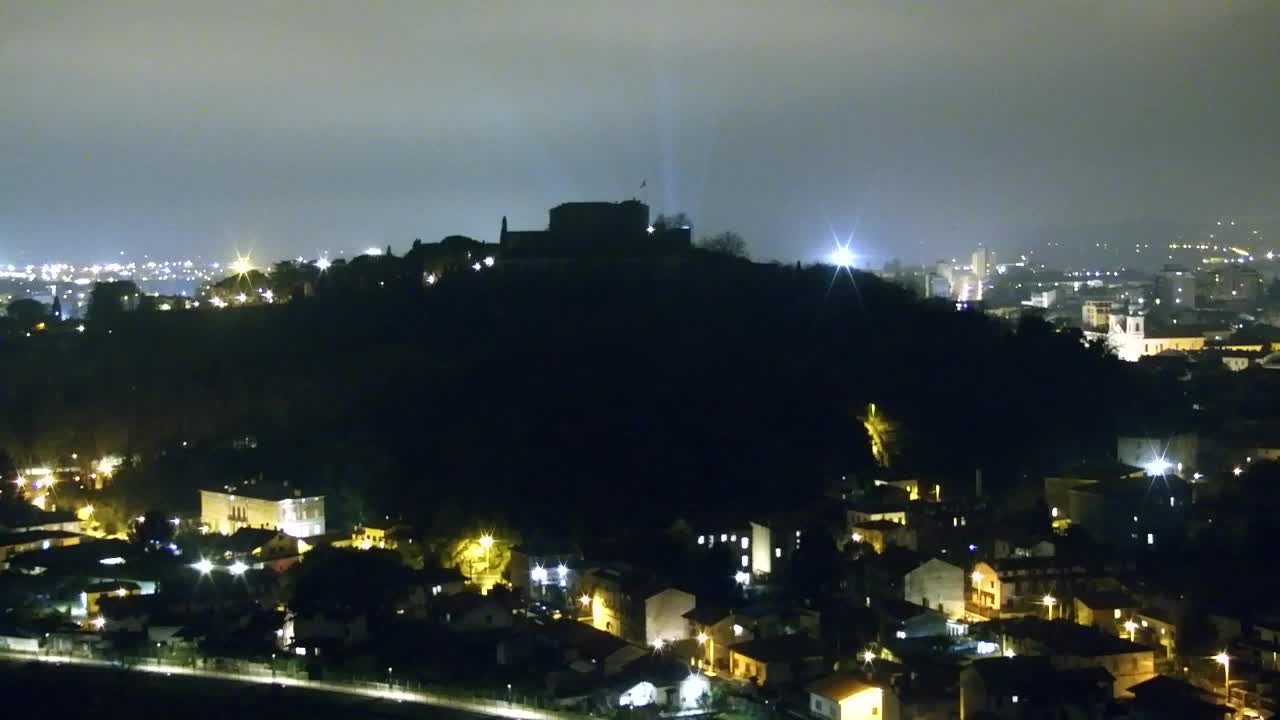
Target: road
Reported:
point(369, 691)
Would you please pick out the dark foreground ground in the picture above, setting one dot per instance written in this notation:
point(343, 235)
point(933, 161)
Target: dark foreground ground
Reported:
point(49, 691)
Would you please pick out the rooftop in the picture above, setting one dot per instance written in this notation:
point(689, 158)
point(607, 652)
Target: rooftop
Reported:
point(264, 491)
point(780, 648)
point(1104, 599)
point(1064, 636)
point(30, 536)
point(706, 615)
point(1035, 676)
point(839, 686)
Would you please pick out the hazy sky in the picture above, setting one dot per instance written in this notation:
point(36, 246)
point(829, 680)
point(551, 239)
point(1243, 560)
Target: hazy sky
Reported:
point(177, 127)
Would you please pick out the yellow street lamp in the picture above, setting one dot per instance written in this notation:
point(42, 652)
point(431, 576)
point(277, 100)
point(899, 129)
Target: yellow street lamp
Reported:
point(585, 600)
point(710, 643)
point(1132, 627)
point(1049, 601)
point(1224, 660)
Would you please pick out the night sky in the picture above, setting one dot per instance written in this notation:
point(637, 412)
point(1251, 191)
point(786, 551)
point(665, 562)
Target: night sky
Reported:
point(198, 127)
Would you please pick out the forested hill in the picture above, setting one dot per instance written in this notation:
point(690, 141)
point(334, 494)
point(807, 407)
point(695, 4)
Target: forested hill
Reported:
point(627, 390)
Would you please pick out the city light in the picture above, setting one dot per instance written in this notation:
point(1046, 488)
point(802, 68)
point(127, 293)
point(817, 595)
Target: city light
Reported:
point(488, 261)
point(373, 251)
point(237, 568)
point(242, 265)
point(658, 644)
point(204, 567)
point(742, 578)
point(1049, 601)
point(868, 656)
point(702, 638)
point(107, 465)
point(563, 570)
point(112, 561)
point(842, 257)
point(1159, 466)
point(1237, 471)
point(323, 264)
point(538, 574)
point(585, 600)
point(98, 623)
point(486, 541)
point(1132, 627)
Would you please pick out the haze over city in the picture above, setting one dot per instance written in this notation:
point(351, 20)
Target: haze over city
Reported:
point(201, 129)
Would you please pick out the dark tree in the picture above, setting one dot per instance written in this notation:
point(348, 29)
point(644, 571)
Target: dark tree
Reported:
point(110, 299)
point(27, 312)
point(368, 580)
point(726, 243)
point(673, 221)
point(154, 530)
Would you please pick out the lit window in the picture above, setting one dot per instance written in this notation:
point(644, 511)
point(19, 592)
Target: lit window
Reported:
point(744, 561)
point(1170, 501)
point(1116, 613)
point(744, 542)
point(1151, 539)
point(901, 634)
point(702, 539)
point(1053, 511)
point(955, 522)
point(737, 630)
point(1144, 623)
point(733, 537)
point(1015, 698)
point(777, 552)
point(724, 537)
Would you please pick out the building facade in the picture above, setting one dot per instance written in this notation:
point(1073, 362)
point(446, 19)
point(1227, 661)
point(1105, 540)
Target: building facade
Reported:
point(256, 506)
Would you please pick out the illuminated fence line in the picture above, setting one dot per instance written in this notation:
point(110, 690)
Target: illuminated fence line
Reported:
point(247, 672)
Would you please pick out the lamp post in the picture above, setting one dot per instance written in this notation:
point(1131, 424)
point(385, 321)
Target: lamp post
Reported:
point(1224, 660)
point(273, 666)
point(1132, 627)
point(389, 686)
point(710, 643)
point(1049, 601)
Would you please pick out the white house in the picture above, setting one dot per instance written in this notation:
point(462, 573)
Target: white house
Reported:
point(843, 696)
point(937, 585)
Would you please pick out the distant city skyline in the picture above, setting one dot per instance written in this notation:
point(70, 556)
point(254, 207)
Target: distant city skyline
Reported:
point(175, 130)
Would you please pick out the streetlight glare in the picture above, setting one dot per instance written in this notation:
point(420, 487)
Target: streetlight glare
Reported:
point(486, 541)
point(203, 566)
point(242, 265)
point(323, 264)
point(238, 568)
point(842, 256)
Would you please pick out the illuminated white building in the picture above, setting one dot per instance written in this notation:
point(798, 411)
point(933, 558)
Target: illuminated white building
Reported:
point(845, 696)
point(262, 506)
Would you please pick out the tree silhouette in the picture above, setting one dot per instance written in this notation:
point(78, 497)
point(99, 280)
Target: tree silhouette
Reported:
point(27, 312)
point(726, 243)
point(110, 299)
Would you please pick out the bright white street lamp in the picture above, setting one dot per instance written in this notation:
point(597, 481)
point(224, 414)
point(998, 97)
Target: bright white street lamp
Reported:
point(842, 256)
point(237, 568)
point(1224, 660)
point(204, 567)
point(1048, 601)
